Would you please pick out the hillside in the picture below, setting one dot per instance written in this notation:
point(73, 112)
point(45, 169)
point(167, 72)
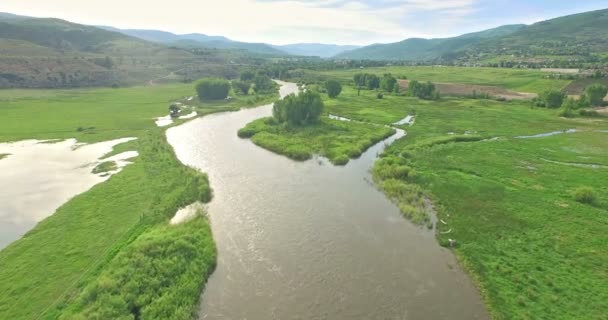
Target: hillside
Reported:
point(197, 40)
point(43, 52)
point(580, 34)
point(426, 49)
point(571, 39)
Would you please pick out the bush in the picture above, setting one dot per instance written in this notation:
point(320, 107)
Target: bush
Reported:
point(212, 89)
point(241, 86)
point(380, 95)
point(595, 94)
point(585, 195)
point(333, 88)
point(263, 83)
point(552, 99)
point(425, 91)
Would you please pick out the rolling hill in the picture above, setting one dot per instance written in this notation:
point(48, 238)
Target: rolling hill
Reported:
point(426, 49)
point(574, 35)
point(46, 52)
point(198, 40)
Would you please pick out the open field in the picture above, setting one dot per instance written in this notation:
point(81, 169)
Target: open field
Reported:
point(519, 80)
point(101, 114)
point(535, 252)
point(337, 140)
point(56, 267)
point(459, 90)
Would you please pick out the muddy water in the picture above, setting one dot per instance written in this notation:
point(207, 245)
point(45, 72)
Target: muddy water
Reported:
point(37, 178)
point(308, 240)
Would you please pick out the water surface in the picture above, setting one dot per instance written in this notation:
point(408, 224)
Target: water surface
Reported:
point(309, 240)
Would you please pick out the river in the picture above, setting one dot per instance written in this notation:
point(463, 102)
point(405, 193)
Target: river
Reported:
point(309, 240)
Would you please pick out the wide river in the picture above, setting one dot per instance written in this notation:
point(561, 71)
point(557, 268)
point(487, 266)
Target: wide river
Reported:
point(309, 240)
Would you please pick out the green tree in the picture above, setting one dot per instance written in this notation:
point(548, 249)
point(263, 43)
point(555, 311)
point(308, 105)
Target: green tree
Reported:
point(298, 110)
point(595, 94)
point(372, 81)
point(247, 75)
point(388, 83)
point(263, 83)
point(212, 89)
point(552, 98)
point(360, 82)
point(241, 86)
point(333, 88)
point(421, 90)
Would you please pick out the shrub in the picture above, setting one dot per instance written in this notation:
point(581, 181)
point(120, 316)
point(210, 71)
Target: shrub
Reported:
point(333, 87)
point(340, 160)
point(380, 95)
point(263, 83)
point(212, 89)
point(595, 94)
point(552, 99)
point(241, 86)
point(425, 91)
point(584, 195)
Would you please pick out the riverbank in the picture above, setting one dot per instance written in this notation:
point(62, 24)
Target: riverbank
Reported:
point(534, 251)
point(81, 261)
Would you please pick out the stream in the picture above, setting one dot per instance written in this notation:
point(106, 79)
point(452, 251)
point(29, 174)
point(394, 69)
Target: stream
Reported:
point(309, 240)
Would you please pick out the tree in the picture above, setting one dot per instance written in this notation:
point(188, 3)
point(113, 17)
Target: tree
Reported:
point(298, 110)
point(552, 98)
point(595, 94)
point(241, 86)
point(247, 75)
point(359, 81)
point(388, 83)
point(212, 89)
point(372, 81)
point(425, 91)
point(333, 88)
point(263, 83)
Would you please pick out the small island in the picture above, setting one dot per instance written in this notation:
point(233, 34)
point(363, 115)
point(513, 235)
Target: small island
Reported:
point(298, 130)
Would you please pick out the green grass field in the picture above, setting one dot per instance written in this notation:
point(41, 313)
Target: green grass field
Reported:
point(520, 80)
point(104, 114)
point(80, 262)
point(339, 141)
point(535, 252)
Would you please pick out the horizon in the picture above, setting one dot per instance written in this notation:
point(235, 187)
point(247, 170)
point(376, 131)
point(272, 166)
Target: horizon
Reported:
point(335, 22)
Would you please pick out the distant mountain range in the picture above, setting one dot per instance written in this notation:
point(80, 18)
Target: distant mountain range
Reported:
point(220, 42)
point(578, 34)
point(48, 52)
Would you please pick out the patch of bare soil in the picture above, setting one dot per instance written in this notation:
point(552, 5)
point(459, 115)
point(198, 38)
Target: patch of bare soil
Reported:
point(460, 89)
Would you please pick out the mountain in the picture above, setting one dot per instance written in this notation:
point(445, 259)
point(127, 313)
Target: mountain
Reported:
point(315, 49)
point(197, 40)
point(571, 37)
point(426, 49)
point(164, 36)
point(46, 52)
point(574, 34)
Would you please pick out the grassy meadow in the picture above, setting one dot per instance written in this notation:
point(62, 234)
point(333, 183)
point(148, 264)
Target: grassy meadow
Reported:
point(104, 254)
point(520, 80)
point(510, 203)
point(337, 140)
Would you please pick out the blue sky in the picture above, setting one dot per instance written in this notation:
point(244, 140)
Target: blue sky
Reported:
point(292, 21)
